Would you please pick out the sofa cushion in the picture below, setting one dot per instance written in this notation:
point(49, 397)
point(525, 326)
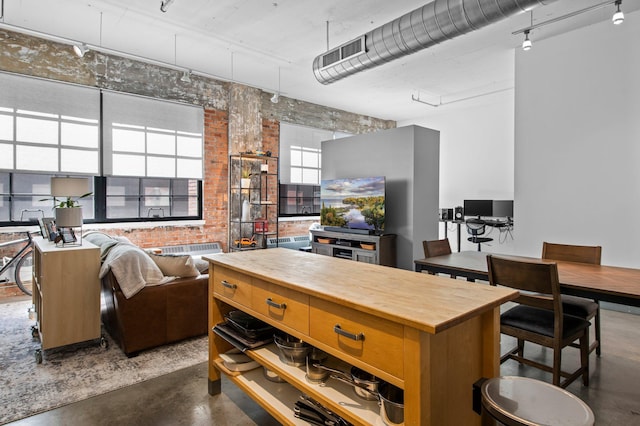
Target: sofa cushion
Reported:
point(175, 265)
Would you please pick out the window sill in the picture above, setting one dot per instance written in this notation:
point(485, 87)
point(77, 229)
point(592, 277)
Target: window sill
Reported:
point(299, 218)
point(116, 225)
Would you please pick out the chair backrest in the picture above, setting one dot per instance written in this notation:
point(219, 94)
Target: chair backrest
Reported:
point(538, 279)
point(572, 253)
point(475, 226)
point(436, 247)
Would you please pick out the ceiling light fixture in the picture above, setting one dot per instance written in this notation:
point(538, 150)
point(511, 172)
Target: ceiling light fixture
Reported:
point(276, 96)
point(571, 15)
point(618, 17)
point(164, 5)
point(186, 76)
point(80, 49)
point(526, 44)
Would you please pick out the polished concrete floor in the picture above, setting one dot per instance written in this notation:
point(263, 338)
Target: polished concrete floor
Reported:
point(181, 398)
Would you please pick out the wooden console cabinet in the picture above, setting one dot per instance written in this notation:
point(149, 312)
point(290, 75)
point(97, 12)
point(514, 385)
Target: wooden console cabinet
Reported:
point(66, 292)
point(432, 336)
point(376, 249)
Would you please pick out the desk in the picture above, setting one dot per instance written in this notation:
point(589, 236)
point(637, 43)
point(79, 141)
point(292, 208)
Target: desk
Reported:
point(457, 222)
point(606, 283)
point(500, 224)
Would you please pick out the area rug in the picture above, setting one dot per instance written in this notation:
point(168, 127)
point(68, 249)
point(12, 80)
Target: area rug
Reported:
point(76, 372)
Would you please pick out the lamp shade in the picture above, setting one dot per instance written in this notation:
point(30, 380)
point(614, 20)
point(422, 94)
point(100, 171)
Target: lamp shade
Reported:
point(69, 187)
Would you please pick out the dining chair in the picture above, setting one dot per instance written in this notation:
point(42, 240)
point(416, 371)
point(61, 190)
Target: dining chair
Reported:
point(538, 316)
point(435, 248)
point(573, 305)
point(476, 228)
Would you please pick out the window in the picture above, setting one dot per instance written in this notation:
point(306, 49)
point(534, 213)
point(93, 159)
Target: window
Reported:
point(128, 198)
point(151, 138)
point(299, 200)
point(301, 167)
point(305, 165)
point(152, 152)
point(48, 127)
point(25, 197)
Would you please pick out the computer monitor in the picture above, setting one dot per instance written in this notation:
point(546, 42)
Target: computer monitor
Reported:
point(478, 208)
point(503, 208)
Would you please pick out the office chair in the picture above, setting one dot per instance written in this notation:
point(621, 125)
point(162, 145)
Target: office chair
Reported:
point(476, 228)
point(573, 305)
point(539, 317)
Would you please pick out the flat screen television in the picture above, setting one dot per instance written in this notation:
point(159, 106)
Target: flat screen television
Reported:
point(353, 203)
point(478, 208)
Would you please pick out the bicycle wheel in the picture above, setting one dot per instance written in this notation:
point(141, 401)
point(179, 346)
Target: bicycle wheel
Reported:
point(24, 274)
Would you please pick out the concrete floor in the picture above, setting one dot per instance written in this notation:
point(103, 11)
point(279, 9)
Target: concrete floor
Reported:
point(181, 398)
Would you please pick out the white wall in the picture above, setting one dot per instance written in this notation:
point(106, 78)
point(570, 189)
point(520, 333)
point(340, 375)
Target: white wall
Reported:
point(577, 149)
point(476, 157)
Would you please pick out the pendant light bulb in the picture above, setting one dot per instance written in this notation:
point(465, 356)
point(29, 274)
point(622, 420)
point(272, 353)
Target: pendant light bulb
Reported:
point(618, 17)
point(80, 49)
point(526, 44)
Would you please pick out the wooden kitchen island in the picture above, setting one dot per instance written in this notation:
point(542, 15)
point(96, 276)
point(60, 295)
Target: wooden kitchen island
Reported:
point(431, 336)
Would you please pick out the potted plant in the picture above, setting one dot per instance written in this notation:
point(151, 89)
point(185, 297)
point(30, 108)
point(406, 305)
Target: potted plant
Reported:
point(245, 181)
point(69, 212)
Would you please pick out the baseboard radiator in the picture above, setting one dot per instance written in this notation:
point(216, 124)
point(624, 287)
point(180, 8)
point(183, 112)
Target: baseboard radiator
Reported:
point(294, 243)
point(193, 249)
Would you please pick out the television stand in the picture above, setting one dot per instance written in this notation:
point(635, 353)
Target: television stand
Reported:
point(376, 249)
point(348, 230)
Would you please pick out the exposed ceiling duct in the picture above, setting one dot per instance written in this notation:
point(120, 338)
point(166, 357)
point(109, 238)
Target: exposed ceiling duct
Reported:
point(430, 24)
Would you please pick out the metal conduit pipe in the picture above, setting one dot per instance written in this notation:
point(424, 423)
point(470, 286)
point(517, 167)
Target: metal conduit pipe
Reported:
point(432, 23)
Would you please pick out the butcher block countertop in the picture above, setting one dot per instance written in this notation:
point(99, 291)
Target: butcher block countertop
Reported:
point(425, 302)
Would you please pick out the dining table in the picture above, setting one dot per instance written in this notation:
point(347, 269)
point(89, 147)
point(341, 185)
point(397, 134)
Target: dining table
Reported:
point(612, 284)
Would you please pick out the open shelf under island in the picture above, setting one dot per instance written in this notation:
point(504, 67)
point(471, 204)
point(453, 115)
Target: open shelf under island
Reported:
point(431, 336)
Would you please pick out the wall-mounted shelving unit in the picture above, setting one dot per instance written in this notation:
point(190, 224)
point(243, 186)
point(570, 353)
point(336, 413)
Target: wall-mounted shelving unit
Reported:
point(253, 201)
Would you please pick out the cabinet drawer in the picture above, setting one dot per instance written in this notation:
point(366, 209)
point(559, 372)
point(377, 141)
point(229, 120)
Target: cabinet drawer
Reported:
point(232, 285)
point(375, 341)
point(281, 304)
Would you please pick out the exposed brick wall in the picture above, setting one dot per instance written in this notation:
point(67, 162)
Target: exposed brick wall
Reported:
point(291, 229)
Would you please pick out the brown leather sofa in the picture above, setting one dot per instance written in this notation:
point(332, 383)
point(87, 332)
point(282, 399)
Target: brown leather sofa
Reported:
point(156, 315)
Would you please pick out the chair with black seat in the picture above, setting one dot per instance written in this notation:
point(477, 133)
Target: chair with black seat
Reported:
point(573, 305)
point(538, 317)
point(435, 248)
point(476, 228)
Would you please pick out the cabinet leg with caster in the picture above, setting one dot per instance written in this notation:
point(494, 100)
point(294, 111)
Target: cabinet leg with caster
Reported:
point(38, 355)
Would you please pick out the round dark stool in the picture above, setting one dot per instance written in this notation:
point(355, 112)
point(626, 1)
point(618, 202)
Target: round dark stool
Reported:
point(521, 401)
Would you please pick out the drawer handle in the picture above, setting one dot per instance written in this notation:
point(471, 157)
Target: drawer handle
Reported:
point(227, 284)
point(273, 304)
point(340, 331)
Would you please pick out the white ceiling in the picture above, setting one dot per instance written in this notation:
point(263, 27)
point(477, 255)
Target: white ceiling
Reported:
point(251, 41)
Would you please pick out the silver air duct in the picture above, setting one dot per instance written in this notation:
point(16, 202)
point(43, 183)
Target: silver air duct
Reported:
point(432, 23)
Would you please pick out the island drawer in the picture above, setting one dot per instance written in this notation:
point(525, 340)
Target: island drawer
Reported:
point(281, 304)
point(232, 285)
point(373, 340)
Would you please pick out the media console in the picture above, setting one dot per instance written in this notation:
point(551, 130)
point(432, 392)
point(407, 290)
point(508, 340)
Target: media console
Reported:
point(376, 249)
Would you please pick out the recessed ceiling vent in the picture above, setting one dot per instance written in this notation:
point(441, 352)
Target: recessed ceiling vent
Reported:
point(430, 24)
point(344, 52)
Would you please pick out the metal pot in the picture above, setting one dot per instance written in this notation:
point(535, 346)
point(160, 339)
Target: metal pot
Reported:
point(365, 385)
point(292, 351)
point(391, 404)
point(316, 374)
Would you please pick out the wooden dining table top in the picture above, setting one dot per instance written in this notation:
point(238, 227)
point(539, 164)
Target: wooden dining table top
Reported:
point(609, 283)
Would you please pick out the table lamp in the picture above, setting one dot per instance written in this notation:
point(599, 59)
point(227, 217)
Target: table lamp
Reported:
point(69, 212)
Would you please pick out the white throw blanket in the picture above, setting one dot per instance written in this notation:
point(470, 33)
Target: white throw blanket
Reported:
point(132, 267)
